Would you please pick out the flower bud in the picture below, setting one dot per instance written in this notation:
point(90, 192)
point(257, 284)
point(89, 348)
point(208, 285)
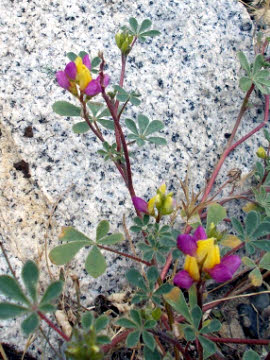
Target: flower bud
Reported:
point(123, 41)
point(261, 153)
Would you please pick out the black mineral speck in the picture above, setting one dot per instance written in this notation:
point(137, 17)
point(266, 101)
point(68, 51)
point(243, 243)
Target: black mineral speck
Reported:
point(227, 135)
point(28, 132)
point(175, 137)
point(246, 27)
point(24, 167)
point(160, 83)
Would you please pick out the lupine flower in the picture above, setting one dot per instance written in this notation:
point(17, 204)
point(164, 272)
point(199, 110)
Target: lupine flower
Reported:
point(78, 73)
point(162, 202)
point(202, 255)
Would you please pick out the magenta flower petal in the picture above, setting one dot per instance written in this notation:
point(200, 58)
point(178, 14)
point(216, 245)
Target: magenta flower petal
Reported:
point(62, 79)
point(187, 244)
point(140, 204)
point(232, 262)
point(200, 233)
point(86, 61)
point(93, 88)
point(220, 273)
point(71, 70)
point(183, 279)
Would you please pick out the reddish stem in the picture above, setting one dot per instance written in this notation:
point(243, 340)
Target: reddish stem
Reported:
point(238, 340)
point(125, 255)
point(116, 340)
point(243, 109)
point(51, 324)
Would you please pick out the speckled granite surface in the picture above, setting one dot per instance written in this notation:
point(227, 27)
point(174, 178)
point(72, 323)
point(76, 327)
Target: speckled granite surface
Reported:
point(187, 77)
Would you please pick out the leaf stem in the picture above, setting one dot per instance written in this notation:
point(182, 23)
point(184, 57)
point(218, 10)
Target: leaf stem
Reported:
point(51, 324)
point(125, 255)
point(238, 340)
point(7, 260)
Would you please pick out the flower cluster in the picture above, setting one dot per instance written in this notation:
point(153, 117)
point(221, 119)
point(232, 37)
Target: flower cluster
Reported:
point(77, 75)
point(203, 256)
point(161, 201)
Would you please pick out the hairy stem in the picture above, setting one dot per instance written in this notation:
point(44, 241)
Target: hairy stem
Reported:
point(51, 324)
point(238, 341)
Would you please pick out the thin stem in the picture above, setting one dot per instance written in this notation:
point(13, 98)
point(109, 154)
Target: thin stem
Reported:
point(243, 109)
point(122, 109)
point(168, 339)
point(116, 340)
point(85, 116)
point(124, 254)
point(122, 77)
point(113, 112)
point(238, 340)
point(49, 343)
point(7, 260)
point(51, 324)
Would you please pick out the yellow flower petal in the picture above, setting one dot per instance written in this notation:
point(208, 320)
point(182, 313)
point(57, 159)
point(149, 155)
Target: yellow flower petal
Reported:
point(151, 205)
point(207, 254)
point(191, 266)
point(83, 76)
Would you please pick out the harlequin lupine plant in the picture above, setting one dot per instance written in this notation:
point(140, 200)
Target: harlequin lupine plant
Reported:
point(161, 323)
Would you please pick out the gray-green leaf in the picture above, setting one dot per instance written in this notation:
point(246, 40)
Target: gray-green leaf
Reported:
point(30, 324)
point(30, 275)
point(52, 292)
point(80, 128)
point(62, 254)
point(95, 263)
point(10, 288)
point(8, 310)
point(65, 108)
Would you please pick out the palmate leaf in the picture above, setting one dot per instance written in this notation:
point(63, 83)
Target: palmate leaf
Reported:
point(245, 83)
point(209, 347)
point(148, 340)
point(265, 261)
point(72, 56)
point(111, 239)
point(101, 323)
point(87, 320)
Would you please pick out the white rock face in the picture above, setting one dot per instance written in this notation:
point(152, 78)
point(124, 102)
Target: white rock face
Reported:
point(188, 78)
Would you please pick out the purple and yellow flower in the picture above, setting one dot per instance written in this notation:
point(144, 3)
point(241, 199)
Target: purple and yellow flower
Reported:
point(203, 256)
point(77, 75)
point(161, 201)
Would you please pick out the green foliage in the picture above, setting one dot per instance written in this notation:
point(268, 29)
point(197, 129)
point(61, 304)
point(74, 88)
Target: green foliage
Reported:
point(86, 344)
point(140, 326)
point(147, 289)
point(251, 355)
point(95, 263)
point(110, 152)
point(65, 108)
point(252, 231)
point(11, 289)
point(140, 31)
point(255, 74)
point(193, 315)
point(146, 128)
point(124, 96)
point(262, 197)
point(160, 239)
point(215, 214)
